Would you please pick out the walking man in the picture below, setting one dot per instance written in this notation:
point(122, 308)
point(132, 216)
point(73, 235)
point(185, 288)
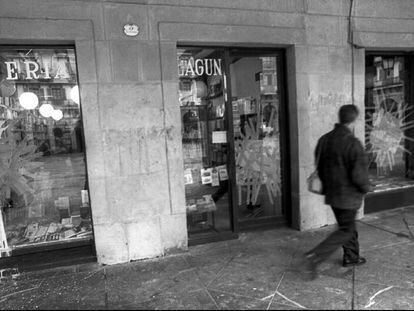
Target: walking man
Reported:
point(343, 170)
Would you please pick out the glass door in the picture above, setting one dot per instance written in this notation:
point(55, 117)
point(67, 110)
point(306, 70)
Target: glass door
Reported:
point(256, 105)
point(202, 96)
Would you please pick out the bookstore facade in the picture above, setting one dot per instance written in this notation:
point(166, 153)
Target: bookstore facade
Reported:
point(135, 130)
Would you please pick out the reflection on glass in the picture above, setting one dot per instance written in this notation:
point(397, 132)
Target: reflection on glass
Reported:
point(389, 123)
point(43, 189)
point(256, 130)
point(201, 94)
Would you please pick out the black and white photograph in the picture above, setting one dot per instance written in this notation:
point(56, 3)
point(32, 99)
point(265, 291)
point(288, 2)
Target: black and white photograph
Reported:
point(206, 154)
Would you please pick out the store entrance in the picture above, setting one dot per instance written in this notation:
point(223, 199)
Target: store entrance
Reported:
point(389, 118)
point(233, 135)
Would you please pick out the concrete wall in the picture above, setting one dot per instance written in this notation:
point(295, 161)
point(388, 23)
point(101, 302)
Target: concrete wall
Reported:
point(130, 102)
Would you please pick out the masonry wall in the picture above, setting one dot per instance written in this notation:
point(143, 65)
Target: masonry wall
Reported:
point(130, 101)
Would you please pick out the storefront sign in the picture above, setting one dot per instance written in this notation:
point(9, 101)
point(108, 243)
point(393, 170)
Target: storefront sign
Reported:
point(198, 67)
point(31, 70)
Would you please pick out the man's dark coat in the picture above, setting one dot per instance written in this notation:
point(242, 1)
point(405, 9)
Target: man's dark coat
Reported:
point(342, 168)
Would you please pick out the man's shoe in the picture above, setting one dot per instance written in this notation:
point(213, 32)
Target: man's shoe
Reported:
point(354, 262)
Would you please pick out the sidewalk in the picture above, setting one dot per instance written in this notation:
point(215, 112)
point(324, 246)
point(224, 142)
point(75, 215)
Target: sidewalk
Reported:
point(257, 271)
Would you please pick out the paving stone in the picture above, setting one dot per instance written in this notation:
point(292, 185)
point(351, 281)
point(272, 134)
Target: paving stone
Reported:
point(383, 214)
point(331, 267)
point(372, 238)
point(236, 274)
point(384, 275)
point(128, 306)
point(370, 296)
point(147, 268)
point(398, 256)
point(266, 255)
point(66, 291)
point(279, 306)
point(199, 300)
point(323, 293)
point(53, 293)
point(124, 289)
point(209, 273)
point(408, 214)
point(305, 241)
point(90, 267)
point(409, 210)
point(390, 221)
point(211, 249)
point(389, 265)
point(268, 236)
point(249, 280)
point(17, 294)
point(209, 264)
point(92, 290)
point(229, 301)
point(45, 274)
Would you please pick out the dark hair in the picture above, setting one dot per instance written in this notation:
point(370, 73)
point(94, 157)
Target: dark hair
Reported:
point(348, 114)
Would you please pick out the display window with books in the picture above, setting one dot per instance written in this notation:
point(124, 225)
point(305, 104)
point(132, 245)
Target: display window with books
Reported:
point(43, 182)
point(204, 138)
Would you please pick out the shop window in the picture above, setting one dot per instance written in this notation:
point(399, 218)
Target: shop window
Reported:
point(389, 122)
point(202, 105)
point(43, 183)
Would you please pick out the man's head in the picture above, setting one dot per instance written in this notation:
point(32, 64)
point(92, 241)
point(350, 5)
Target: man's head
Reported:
point(348, 114)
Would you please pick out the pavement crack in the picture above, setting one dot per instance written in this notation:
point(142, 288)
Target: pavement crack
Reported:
point(91, 274)
point(19, 292)
point(407, 224)
point(371, 299)
point(290, 300)
point(218, 274)
point(388, 245)
point(183, 271)
point(236, 294)
point(274, 294)
point(106, 288)
point(212, 298)
point(294, 303)
point(205, 287)
point(399, 234)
